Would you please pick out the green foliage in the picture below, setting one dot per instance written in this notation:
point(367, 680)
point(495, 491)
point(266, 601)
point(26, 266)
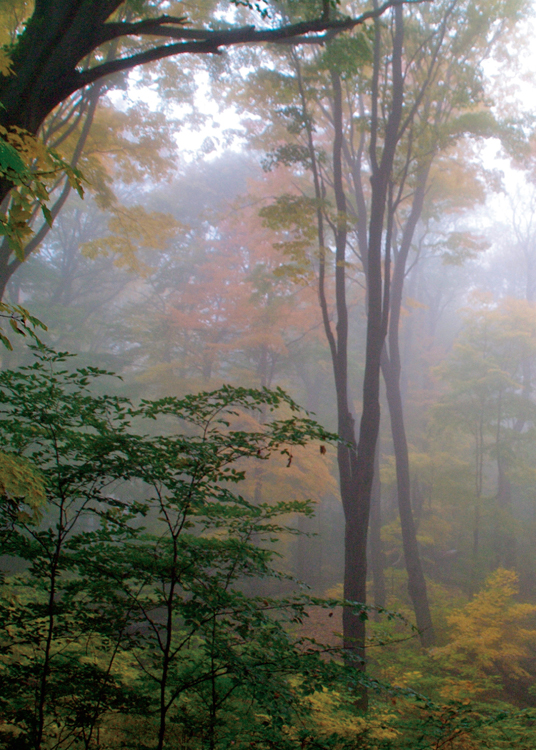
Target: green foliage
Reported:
point(295, 216)
point(462, 246)
point(287, 154)
point(21, 322)
point(127, 599)
point(349, 55)
point(126, 617)
point(10, 161)
point(262, 8)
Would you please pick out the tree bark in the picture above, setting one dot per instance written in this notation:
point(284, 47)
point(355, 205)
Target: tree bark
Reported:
point(356, 515)
point(356, 459)
point(377, 557)
point(356, 524)
point(378, 292)
point(506, 542)
point(416, 581)
point(506, 547)
point(391, 369)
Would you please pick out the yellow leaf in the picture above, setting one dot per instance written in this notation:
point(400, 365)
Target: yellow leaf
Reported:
point(131, 230)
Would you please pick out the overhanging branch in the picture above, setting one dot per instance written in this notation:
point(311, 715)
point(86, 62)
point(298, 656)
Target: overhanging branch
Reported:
point(208, 41)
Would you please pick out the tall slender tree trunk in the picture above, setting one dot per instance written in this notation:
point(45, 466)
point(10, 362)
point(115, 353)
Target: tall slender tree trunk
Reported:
point(356, 458)
point(505, 552)
point(378, 291)
point(377, 558)
point(391, 369)
point(356, 523)
point(479, 469)
point(416, 581)
point(356, 514)
point(506, 547)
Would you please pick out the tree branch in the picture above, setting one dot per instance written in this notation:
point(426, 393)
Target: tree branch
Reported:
point(207, 41)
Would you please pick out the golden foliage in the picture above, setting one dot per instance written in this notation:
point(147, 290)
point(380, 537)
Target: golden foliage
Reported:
point(20, 480)
point(331, 717)
point(32, 168)
point(493, 635)
point(132, 229)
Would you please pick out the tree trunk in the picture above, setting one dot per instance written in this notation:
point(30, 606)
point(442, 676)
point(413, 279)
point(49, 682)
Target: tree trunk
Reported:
point(356, 462)
point(506, 547)
point(377, 558)
point(356, 514)
point(506, 543)
point(416, 580)
point(378, 288)
point(391, 368)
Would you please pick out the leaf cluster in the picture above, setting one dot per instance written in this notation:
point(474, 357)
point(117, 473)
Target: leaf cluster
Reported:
point(126, 598)
point(32, 170)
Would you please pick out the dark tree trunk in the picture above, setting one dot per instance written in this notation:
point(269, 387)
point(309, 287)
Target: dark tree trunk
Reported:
point(377, 557)
point(506, 543)
point(416, 580)
point(57, 37)
point(356, 458)
point(362, 461)
point(356, 524)
point(356, 514)
point(391, 368)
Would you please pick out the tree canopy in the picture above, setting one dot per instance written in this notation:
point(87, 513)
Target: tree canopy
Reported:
point(59, 50)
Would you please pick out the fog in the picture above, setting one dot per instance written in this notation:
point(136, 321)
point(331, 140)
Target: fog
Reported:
point(353, 222)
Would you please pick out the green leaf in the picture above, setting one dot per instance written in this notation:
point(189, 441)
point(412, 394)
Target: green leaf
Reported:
point(47, 215)
point(10, 161)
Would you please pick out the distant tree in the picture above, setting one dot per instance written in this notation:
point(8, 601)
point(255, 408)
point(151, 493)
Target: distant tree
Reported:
point(486, 401)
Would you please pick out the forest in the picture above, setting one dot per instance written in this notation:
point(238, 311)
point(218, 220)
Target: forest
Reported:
point(267, 375)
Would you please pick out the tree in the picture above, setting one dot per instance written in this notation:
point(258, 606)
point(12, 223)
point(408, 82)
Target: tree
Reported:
point(356, 453)
point(83, 270)
point(492, 643)
point(487, 402)
point(127, 553)
point(413, 120)
point(436, 119)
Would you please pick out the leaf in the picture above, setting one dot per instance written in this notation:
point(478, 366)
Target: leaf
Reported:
point(10, 160)
point(47, 215)
point(19, 316)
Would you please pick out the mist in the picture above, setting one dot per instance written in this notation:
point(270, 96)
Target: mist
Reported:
point(312, 266)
